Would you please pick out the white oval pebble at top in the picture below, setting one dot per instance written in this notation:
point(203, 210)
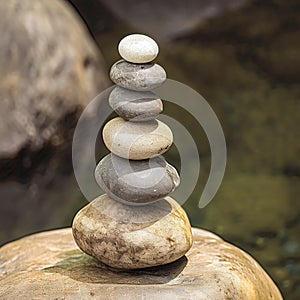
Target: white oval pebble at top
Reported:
point(138, 48)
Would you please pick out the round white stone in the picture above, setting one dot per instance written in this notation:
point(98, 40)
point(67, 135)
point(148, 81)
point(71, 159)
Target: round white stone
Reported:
point(138, 48)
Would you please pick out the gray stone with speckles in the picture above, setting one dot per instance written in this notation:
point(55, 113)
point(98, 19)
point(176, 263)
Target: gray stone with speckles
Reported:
point(137, 77)
point(135, 106)
point(136, 182)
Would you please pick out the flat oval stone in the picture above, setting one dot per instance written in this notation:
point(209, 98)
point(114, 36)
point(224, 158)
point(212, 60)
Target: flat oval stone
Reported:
point(133, 237)
point(135, 106)
point(137, 77)
point(138, 48)
point(137, 141)
point(136, 182)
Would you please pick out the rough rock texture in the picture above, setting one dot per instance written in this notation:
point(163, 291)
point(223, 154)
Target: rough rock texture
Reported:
point(137, 77)
point(50, 68)
point(137, 140)
point(48, 265)
point(136, 182)
point(133, 237)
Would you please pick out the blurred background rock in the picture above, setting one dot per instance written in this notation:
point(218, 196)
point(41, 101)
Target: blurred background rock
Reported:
point(50, 69)
point(242, 56)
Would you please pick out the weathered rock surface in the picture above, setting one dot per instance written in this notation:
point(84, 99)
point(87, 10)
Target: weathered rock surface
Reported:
point(135, 106)
point(136, 182)
point(50, 68)
point(49, 265)
point(137, 140)
point(133, 237)
point(137, 77)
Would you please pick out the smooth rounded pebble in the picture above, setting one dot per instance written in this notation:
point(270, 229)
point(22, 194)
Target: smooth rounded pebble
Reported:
point(135, 106)
point(137, 141)
point(137, 77)
point(138, 48)
point(133, 237)
point(136, 182)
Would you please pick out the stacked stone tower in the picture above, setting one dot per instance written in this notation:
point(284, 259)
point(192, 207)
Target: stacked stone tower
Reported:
point(135, 224)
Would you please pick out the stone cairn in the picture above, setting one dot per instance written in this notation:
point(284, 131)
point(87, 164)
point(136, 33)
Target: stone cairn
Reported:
point(135, 224)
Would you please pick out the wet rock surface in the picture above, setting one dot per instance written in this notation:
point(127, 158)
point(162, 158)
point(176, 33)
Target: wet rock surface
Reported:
point(49, 265)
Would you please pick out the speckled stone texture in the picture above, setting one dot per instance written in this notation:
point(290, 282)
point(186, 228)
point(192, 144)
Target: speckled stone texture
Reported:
point(138, 77)
point(133, 237)
point(136, 182)
point(137, 140)
point(135, 106)
point(49, 265)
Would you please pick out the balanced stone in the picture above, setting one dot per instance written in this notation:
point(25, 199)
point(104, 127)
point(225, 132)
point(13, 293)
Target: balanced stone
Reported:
point(136, 182)
point(134, 105)
point(138, 48)
point(137, 141)
point(138, 77)
point(133, 237)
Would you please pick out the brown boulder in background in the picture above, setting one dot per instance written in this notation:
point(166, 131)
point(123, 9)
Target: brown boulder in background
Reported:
point(50, 69)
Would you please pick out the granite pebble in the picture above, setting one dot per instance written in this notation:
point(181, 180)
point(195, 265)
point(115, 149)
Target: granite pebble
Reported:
point(136, 182)
point(135, 106)
point(138, 77)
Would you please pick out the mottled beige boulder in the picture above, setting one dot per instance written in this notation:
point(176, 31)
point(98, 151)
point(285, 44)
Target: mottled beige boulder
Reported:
point(49, 265)
point(133, 237)
point(50, 68)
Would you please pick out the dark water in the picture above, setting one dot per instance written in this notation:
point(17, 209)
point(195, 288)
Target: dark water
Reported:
point(246, 64)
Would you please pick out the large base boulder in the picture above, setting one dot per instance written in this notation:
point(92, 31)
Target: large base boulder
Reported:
point(49, 265)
